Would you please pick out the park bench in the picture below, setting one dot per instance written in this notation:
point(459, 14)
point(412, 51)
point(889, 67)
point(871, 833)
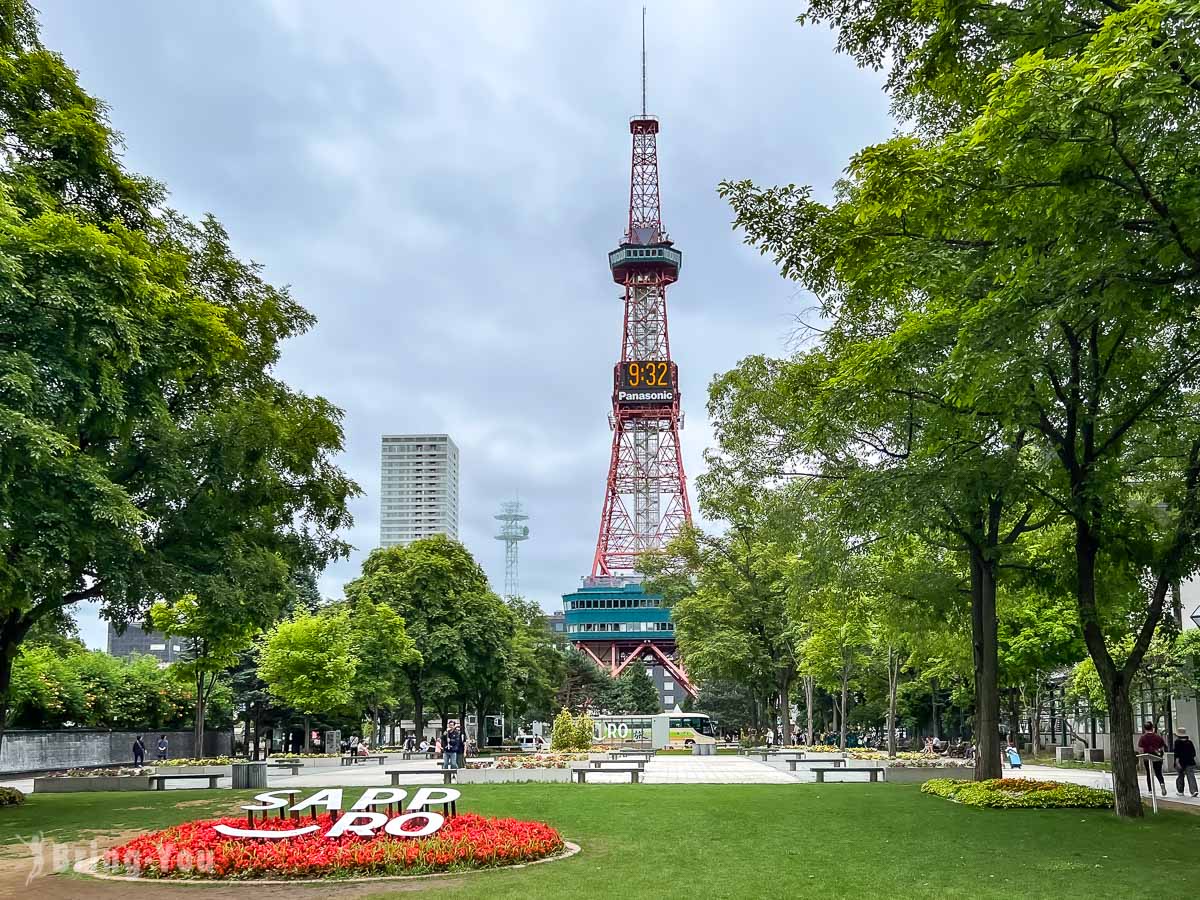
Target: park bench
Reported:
point(833, 762)
point(645, 755)
point(767, 754)
point(416, 754)
point(448, 775)
point(351, 760)
point(606, 765)
point(874, 771)
point(579, 774)
point(159, 782)
point(295, 767)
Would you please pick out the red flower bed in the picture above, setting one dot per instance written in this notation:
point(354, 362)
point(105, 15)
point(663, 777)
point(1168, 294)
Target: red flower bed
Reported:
point(196, 850)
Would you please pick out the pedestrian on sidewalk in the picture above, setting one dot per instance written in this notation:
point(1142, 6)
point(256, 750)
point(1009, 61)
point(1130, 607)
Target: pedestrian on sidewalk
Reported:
point(1152, 745)
point(1185, 762)
point(139, 752)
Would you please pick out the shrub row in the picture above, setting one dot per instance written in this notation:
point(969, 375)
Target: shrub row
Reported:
point(1019, 793)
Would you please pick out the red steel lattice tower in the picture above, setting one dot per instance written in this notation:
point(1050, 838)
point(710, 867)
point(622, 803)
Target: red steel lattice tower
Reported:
point(646, 501)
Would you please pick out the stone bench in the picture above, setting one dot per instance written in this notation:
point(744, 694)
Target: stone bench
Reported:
point(159, 782)
point(873, 771)
point(448, 775)
point(416, 754)
point(635, 770)
point(792, 763)
point(351, 760)
point(608, 764)
point(295, 767)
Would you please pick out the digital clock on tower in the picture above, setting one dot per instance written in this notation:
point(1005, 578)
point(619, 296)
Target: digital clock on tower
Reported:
point(646, 382)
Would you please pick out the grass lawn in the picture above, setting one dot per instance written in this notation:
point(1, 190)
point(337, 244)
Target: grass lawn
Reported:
point(828, 841)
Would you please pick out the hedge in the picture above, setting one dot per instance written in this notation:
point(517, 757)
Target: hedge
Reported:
point(1019, 793)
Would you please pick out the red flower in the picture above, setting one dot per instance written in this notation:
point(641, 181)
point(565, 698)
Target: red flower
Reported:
point(196, 850)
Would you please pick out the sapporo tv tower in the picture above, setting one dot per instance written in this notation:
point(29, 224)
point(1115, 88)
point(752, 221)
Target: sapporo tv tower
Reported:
point(646, 503)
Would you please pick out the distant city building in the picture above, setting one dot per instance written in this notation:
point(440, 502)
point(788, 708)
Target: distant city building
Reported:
point(418, 488)
point(136, 640)
point(557, 622)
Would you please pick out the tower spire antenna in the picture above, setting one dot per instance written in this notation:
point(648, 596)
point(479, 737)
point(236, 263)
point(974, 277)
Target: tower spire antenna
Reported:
point(643, 60)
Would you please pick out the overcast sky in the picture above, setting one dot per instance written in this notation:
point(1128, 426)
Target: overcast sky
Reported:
point(440, 184)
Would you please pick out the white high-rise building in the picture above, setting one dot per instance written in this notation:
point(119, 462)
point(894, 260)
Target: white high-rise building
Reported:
point(419, 488)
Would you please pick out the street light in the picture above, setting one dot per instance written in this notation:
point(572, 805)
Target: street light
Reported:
point(1196, 616)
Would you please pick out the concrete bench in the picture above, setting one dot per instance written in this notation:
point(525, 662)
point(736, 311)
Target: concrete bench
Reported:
point(295, 767)
point(644, 756)
point(873, 771)
point(416, 754)
point(607, 764)
point(767, 754)
point(448, 775)
point(832, 762)
point(580, 774)
point(352, 760)
point(159, 782)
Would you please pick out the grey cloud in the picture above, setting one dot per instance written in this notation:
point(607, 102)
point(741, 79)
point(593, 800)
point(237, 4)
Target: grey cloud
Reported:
point(440, 187)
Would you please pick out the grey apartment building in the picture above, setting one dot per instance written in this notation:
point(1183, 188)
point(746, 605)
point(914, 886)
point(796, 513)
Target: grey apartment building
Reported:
point(147, 643)
point(418, 488)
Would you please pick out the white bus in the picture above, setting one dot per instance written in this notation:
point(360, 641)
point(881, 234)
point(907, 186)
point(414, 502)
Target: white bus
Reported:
point(673, 729)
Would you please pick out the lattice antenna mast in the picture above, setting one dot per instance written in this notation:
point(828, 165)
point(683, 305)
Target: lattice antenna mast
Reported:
point(512, 532)
point(646, 501)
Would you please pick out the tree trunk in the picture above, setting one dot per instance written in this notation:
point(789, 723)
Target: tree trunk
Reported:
point(842, 711)
point(1125, 772)
point(893, 685)
point(785, 708)
point(308, 737)
point(809, 690)
point(985, 640)
point(418, 712)
point(198, 727)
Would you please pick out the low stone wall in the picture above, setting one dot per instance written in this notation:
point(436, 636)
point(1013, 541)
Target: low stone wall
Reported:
point(501, 776)
point(91, 783)
point(68, 748)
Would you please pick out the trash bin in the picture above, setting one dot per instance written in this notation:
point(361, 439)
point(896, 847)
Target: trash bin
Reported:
point(1064, 754)
point(250, 775)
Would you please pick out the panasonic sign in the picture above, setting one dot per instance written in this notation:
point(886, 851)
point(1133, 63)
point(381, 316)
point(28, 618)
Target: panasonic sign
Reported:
point(645, 396)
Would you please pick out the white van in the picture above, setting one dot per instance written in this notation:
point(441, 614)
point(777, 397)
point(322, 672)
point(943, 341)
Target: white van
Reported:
point(531, 743)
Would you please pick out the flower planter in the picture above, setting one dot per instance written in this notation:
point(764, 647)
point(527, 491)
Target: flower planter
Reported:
point(91, 783)
point(921, 774)
point(510, 776)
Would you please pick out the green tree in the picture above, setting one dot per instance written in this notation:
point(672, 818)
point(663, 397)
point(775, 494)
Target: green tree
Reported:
point(432, 584)
point(309, 663)
point(728, 596)
point(1027, 121)
point(213, 638)
point(635, 693)
point(383, 649)
point(146, 450)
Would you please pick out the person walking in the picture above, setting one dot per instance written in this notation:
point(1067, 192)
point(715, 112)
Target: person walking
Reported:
point(1185, 762)
point(161, 747)
point(1152, 745)
point(139, 751)
point(451, 748)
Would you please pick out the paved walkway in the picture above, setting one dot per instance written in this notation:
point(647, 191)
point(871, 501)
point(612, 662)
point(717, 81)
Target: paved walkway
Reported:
point(665, 770)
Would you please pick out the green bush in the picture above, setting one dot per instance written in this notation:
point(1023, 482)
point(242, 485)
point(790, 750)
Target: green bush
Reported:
point(571, 733)
point(1019, 793)
point(10, 796)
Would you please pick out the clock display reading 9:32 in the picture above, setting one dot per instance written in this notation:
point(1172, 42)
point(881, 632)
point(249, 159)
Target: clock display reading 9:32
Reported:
point(646, 374)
